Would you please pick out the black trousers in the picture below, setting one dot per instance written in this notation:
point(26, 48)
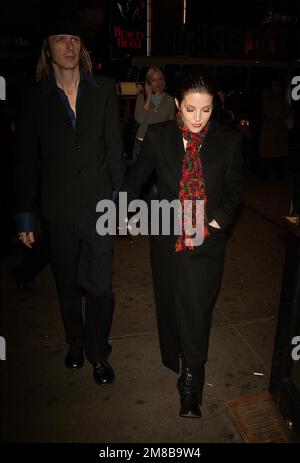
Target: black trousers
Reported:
point(82, 264)
point(185, 288)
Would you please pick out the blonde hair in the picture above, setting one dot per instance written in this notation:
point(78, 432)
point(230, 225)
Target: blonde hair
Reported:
point(154, 70)
point(44, 67)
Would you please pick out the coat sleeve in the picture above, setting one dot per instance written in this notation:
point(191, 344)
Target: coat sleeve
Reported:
point(113, 139)
point(26, 163)
point(141, 170)
point(232, 190)
point(172, 108)
point(140, 113)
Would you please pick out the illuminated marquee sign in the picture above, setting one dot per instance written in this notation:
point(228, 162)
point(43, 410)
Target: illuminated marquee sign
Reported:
point(128, 39)
point(128, 28)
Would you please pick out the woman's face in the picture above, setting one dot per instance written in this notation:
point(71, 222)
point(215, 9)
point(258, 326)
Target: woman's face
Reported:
point(196, 109)
point(156, 82)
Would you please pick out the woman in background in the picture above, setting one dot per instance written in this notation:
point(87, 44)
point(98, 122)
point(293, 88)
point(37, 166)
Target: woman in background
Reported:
point(155, 105)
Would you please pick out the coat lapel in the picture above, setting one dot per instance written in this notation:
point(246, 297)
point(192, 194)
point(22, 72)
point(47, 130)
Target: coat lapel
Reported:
point(81, 108)
point(173, 152)
point(86, 106)
point(210, 150)
point(55, 110)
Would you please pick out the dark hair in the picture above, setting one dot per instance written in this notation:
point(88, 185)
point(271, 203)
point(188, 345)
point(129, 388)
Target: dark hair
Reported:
point(195, 82)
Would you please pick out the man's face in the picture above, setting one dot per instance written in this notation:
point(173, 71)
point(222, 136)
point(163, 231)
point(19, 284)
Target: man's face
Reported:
point(65, 50)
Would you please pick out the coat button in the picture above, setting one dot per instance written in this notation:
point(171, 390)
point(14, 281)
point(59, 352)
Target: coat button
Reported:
point(77, 147)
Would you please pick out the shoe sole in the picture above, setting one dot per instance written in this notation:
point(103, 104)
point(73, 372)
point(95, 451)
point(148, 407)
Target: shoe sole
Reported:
point(189, 415)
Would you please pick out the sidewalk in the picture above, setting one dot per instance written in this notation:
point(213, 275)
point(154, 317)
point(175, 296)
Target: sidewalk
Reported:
point(41, 401)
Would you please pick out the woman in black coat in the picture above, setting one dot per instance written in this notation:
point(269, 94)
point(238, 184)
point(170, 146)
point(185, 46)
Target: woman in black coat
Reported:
point(194, 158)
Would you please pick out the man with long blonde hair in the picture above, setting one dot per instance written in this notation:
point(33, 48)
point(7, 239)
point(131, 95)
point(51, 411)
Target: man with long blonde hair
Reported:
point(69, 142)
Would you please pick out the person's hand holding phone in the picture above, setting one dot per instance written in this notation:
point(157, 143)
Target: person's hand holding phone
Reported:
point(148, 90)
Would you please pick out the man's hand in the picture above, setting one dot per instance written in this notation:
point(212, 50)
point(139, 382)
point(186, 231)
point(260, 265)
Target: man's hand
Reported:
point(27, 238)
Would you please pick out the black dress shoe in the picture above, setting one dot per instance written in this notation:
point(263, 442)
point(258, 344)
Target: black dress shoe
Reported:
point(74, 358)
point(189, 404)
point(103, 372)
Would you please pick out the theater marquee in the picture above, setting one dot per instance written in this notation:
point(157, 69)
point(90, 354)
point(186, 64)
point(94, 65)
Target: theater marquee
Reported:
point(128, 28)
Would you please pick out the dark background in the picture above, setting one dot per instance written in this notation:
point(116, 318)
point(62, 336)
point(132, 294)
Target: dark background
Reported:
point(258, 28)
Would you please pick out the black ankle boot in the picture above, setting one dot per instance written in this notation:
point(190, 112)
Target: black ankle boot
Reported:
point(189, 404)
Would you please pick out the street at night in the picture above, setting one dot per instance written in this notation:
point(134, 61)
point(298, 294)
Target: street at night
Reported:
point(123, 338)
point(43, 402)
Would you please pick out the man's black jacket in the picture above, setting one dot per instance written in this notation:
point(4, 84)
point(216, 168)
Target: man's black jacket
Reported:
point(74, 167)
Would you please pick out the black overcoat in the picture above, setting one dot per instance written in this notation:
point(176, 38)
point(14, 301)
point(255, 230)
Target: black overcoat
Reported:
point(186, 283)
point(74, 168)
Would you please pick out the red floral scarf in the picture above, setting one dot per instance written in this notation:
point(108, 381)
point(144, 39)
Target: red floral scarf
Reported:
point(192, 186)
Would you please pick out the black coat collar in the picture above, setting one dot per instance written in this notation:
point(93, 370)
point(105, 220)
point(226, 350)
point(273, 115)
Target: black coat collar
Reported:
point(49, 84)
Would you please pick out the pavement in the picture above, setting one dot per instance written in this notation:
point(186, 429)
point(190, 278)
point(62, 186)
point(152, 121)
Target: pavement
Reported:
point(41, 401)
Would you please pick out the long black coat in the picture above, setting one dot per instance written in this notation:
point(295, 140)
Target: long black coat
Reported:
point(186, 283)
point(75, 168)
